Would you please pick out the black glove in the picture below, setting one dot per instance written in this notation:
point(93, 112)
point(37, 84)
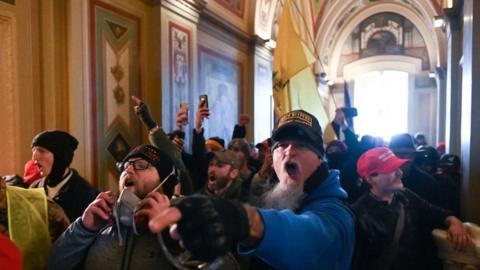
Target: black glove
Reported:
point(145, 116)
point(210, 227)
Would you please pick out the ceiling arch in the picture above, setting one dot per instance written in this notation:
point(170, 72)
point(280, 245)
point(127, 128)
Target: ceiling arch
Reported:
point(336, 28)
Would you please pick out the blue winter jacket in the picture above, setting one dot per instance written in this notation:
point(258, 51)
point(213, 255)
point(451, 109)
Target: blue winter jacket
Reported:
point(320, 235)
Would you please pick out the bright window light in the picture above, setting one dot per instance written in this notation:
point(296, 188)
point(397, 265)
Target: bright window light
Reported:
point(382, 102)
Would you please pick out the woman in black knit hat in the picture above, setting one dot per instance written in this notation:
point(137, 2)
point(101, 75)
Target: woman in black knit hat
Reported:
point(52, 152)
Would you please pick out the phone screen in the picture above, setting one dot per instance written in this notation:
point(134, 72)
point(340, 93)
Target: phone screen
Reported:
point(204, 101)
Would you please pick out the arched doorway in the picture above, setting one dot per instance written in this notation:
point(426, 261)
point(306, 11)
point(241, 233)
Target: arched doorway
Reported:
point(381, 97)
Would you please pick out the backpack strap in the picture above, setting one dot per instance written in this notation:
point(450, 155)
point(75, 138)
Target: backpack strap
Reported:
point(386, 258)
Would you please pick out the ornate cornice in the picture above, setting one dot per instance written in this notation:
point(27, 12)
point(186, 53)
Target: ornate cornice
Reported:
point(211, 18)
point(189, 9)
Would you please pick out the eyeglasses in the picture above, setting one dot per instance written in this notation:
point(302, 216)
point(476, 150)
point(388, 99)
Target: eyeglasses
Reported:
point(138, 165)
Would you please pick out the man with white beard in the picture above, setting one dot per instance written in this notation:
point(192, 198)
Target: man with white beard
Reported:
point(304, 223)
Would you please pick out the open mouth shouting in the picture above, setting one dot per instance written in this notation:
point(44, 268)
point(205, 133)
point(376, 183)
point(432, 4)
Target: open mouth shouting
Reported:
point(212, 179)
point(128, 183)
point(292, 168)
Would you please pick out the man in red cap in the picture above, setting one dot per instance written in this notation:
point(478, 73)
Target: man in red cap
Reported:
point(394, 224)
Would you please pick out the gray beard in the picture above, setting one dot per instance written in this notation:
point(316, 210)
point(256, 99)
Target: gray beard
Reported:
point(284, 196)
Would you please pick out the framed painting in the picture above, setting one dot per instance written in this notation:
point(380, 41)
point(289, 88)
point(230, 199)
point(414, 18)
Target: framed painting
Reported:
point(221, 79)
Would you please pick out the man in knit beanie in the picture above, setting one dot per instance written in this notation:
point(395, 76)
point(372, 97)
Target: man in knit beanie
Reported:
point(52, 153)
point(112, 232)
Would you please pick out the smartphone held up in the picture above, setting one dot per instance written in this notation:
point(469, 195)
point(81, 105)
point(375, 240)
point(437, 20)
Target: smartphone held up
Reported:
point(203, 101)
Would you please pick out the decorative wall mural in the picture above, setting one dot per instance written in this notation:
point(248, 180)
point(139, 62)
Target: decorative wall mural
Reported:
point(221, 79)
point(382, 34)
point(237, 7)
point(180, 56)
point(180, 72)
point(118, 92)
point(115, 53)
point(318, 8)
point(276, 19)
point(264, 14)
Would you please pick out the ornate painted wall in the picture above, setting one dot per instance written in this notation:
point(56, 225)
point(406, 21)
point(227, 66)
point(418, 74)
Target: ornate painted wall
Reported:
point(383, 34)
point(115, 73)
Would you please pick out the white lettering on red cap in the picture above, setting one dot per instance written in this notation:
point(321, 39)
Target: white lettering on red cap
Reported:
point(385, 156)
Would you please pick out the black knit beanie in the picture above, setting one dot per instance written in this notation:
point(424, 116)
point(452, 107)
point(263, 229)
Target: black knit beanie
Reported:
point(62, 145)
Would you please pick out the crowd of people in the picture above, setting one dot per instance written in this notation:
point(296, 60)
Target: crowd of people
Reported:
point(292, 201)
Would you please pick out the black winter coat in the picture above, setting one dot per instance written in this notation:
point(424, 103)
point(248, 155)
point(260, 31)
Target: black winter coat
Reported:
point(376, 221)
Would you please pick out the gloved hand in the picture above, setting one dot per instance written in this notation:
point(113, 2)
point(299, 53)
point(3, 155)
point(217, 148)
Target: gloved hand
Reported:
point(142, 111)
point(210, 227)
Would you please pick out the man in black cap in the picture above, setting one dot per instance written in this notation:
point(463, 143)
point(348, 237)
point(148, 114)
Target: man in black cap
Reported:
point(304, 223)
point(112, 232)
point(52, 152)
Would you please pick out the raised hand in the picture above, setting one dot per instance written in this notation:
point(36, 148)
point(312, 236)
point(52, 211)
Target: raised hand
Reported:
point(266, 168)
point(97, 213)
point(244, 119)
point(141, 109)
point(182, 116)
point(153, 204)
point(178, 142)
point(201, 113)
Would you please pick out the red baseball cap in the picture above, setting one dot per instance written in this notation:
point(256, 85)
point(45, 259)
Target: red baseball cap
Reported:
point(378, 160)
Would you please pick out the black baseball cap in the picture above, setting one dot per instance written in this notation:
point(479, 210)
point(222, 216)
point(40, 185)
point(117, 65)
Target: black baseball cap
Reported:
point(302, 126)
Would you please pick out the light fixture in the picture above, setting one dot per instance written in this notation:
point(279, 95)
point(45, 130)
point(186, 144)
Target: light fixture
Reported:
point(438, 22)
point(271, 44)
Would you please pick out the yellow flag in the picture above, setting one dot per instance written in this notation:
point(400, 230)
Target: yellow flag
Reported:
point(288, 60)
point(294, 86)
point(304, 95)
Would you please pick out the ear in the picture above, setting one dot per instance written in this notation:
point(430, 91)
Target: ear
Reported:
point(368, 179)
point(234, 173)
